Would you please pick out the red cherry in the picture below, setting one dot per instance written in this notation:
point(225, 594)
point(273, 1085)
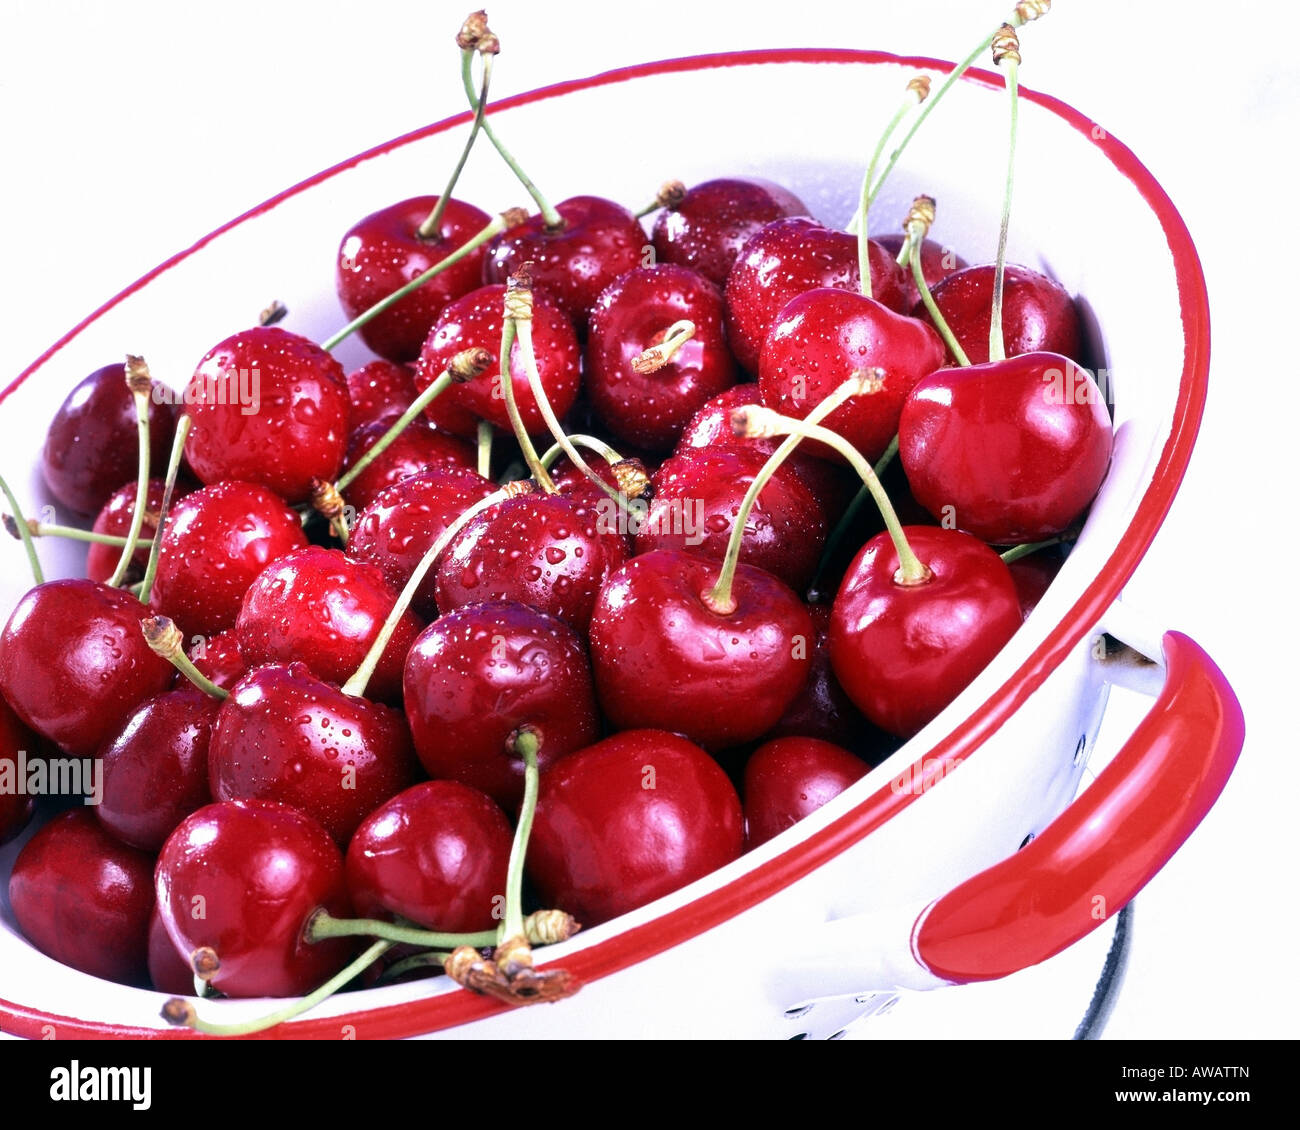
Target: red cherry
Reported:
point(1033, 575)
point(218, 540)
point(219, 659)
point(629, 819)
point(787, 258)
point(92, 446)
point(708, 228)
point(169, 971)
point(244, 879)
point(821, 339)
point(285, 735)
point(1012, 451)
point(417, 448)
point(475, 321)
point(16, 805)
point(664, 658)
point(74, 663)
point(269, 407)
point(380, 390)
point(1038, 315)
point(630, 316)
point(435, 854)
point(480, 674)
point(323, 609)
point(937, 262)
point(903, 652)
point(385, 251)
point(599, 241)
point(156, 769)
point(115, 518)
point(788, 778)
point(84, 899)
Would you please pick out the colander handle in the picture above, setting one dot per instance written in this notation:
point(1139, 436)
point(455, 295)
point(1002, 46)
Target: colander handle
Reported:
point(1111, 841)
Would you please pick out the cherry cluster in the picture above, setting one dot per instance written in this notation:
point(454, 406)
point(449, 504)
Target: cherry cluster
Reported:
point(364, 650)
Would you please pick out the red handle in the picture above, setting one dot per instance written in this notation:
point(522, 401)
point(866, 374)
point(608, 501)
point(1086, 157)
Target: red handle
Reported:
point(1107, 845)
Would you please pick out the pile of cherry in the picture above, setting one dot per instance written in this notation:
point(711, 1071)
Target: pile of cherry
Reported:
point(610, 644)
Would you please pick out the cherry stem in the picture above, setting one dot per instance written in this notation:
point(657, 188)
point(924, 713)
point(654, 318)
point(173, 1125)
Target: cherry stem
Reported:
point(276, 312)
point(24, 532)
point(1011, 56)
point(324, 925)
point(356, 685)
point(657, 356)
point(412, 963)
point(486, 432)
point(553, 220)
point(495, 227)
point(526, 745)
point(165, 638)
point(180, 1012)
point(671, 193)
point(591, 443)
point(912, 98)
point(927, 299)
point(429, 228)
point(720, 599)
point(1016, 552)
point(851, 512)
point(509, 332)
point(72, 533)
point(137, 380)
point(169, 485)
point(911, 570)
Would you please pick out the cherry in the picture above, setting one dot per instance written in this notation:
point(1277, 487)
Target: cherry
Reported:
point(598, 241)
point(219, 659)
point(478, 676)
point(114, 519)
point(937, 261)
point(417, 448)
point(404, 520)
point(325, 610)
point(1038, 315)
point(709, 226)
point(788, 778)
point(74, 663)
point(552, 552)
point(156, 769)
point(1011, 451)
point(385, 250)
point(903, 651)
point(91, 447)
point(285, 735)
point(628, 820)
point(169, 970)
point(217, 542)
point(380, 390)
point(476, 321)
point(269, 407)
point(16, 805)
point(650, 408)
point(1032, 576)
point(84, 899)
point(824, 336)
point(665, 656)
point(435, 854)
point(787, 258)
point(243, 879)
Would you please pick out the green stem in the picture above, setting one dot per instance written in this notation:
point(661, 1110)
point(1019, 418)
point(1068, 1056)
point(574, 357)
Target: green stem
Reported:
point(72, 533)
point(141, 397)
point(509, 331)
point(418, 405)
point(429, 229)
point(485, 433)
point(1016, 552)
point(851, 512)
point(526, 745)
point(173, 469)
point(599, 446)
point(864, 244)
point(997, 346)
point(931, 307)
point(323, 926)
point(24, 532)
point(165, 639)
point(412, 963)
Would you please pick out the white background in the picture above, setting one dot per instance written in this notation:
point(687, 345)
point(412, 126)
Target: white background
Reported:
point(129, 129)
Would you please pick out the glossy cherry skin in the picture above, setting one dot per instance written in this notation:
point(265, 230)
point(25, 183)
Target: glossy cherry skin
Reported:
point(244, 878)
point(169, 970)
point(475, 321)
point(1038, 315)
point(84, 899)
point(401, 525)
point(92, 446)
point(416, 449)
point(385, 251)
point(903, 652)
point(1033, 575)
point(552, 552)
point(599, 241)
point(217, 542)
point(284, 430)
point(697, 497)
point(115, 518)
point(1013, 451)
point(219, 658)
point(74, 663)
point(937, 262)
point(628, 820)
point(16, 806)
point(380, 390)
point(649, 410)
point(664, 659)
point(788, 778)
point(479, 675)
point(787, 258)
point(285, 735)
point(708, 228)
point(436, 854)
point(156, 769)
point(821, 339)
point(325, 610)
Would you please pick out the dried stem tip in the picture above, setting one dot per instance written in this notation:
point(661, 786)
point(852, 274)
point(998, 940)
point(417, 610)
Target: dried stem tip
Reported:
point(513, 217)
point(137, 374)
point(326, 499)
point(468, 364)
point(11, 524)
point(546, 927)
point(753, 421)
point(513, 956)
point(163, 637)
point(1006, 45)
point(205, 963)
point(517, 487)
point(519, 294)
point(276, 312)
point(631, 476)
point(178, 1012)
point(671, 340)
point(475, 35)
point(1029, 10)
point(921, 212)
point(920, 86)
point(671, 193)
